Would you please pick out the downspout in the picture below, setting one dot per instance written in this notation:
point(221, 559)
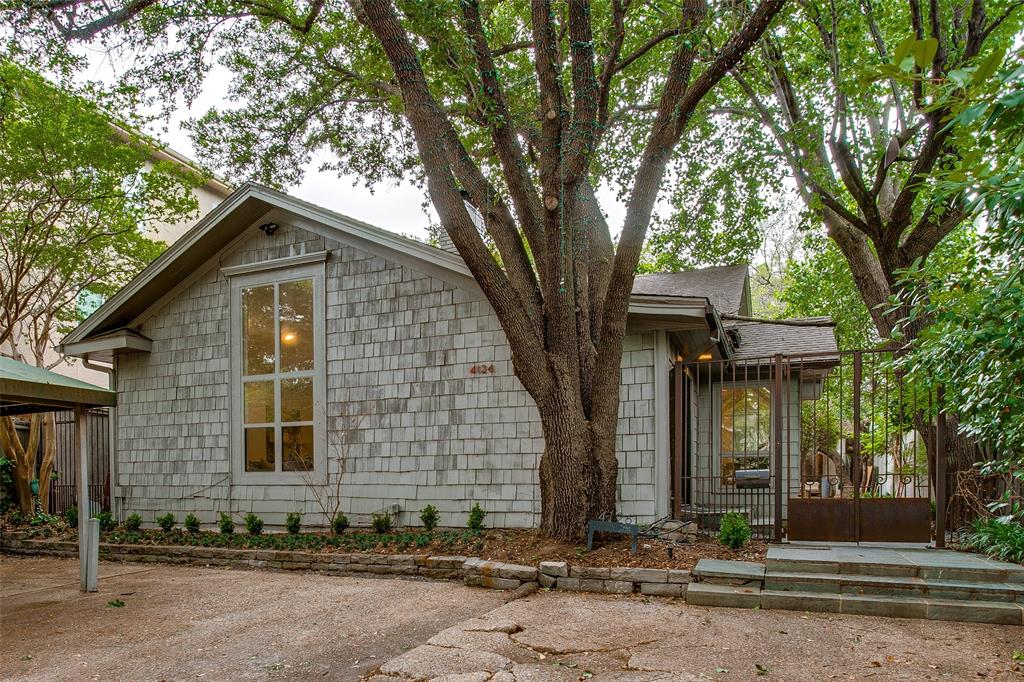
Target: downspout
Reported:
point(111, 372)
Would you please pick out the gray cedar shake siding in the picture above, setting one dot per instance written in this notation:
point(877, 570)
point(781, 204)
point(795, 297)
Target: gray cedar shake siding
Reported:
point(420, 428)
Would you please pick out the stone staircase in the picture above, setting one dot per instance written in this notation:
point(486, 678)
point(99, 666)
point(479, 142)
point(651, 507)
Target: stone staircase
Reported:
point(872, 581)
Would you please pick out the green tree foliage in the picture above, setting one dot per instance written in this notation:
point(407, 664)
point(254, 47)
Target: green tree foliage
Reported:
point(75, 197)
point(820, 284)
point(974, 346)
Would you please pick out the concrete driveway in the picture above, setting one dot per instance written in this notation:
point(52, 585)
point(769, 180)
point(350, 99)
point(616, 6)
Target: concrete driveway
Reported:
point(185, 623)
point(181, 623)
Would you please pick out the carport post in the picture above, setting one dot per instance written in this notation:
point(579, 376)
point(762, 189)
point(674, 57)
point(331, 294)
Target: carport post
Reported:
point(88, 555)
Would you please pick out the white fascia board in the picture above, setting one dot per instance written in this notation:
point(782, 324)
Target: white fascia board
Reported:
point(106, 346)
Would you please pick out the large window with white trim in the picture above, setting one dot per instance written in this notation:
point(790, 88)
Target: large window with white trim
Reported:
point(746, 430)
point(278, 367)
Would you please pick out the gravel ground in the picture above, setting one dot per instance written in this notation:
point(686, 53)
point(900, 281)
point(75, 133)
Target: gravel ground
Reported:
point(181, 623)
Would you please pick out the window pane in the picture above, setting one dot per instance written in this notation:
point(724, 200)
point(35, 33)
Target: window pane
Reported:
point(258, 330)
point(259, 402)
point(297, 400)
point(746, 419)
point(296, 325)
point(259, 449)
point(297, 450)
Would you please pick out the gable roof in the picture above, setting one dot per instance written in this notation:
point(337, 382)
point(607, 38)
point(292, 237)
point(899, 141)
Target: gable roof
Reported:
point(764, 338)
point(247, 206)
point(252, 204)
point(726, 287)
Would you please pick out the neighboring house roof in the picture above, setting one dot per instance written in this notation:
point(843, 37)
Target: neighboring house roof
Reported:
point(763, 338)
point(214, 182)
point(726, 287)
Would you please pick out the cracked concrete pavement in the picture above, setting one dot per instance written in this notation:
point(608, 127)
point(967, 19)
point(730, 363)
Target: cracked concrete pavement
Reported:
point(193, 623)
point(563, 636)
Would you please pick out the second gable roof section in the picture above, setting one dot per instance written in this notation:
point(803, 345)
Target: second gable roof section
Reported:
point(726, 287)
point(252, 205)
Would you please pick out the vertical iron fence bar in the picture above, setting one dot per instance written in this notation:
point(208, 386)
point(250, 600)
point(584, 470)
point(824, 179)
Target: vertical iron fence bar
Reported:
point(856, 444)
point(677, 443)
point(778, 447)
point(940, 470)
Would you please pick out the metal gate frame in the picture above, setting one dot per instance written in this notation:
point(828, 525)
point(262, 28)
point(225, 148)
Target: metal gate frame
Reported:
point(858, 519)
point(886, 447)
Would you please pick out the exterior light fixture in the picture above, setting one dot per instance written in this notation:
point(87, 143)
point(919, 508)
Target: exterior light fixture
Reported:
point(288, 337)
point(704, 356)
point(269, 228)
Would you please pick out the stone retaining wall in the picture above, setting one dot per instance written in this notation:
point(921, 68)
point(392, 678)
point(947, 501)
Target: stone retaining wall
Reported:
point(473, 571)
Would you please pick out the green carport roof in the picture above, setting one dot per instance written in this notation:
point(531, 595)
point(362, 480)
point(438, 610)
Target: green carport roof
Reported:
point(25, 389)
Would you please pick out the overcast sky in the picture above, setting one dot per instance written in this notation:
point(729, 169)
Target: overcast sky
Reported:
point(393, 206)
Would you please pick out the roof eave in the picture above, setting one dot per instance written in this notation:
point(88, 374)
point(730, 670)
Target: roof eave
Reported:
point(106, 346)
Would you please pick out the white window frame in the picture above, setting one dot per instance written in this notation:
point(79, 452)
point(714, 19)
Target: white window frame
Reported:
point(261, 274)
point(720, 418)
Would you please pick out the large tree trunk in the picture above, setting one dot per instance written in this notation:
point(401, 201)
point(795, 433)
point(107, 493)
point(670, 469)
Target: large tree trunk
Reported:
point(961, 453)
point(49, 438)
point(578, 469)
point(23, 457)
point(569, 478)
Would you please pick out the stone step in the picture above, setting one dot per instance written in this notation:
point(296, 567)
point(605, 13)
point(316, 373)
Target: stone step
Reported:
point(998, 613)
point(734, 596)
point(894, 586)
point(929, 564)
point(722, 572)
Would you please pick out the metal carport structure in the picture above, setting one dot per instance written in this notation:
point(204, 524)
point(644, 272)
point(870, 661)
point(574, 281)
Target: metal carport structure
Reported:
point(25, 389)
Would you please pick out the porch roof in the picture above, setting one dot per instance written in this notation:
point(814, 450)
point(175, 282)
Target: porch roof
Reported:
point(25, 389)
point(813, 336)
point(725, 287)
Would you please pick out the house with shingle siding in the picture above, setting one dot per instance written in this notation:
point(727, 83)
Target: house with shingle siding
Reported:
point(278, 345)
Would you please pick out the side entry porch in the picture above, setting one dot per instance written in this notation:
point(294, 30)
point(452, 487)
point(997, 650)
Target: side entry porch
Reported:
point(830, 447)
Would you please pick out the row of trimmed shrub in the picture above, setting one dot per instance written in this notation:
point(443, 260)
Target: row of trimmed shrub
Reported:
point(381, 523)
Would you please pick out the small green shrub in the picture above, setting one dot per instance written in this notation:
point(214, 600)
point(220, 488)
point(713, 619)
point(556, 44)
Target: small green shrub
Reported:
point(192, 523)
point(734, 531)
point(133, 523)
point(253, 524)
point(1000, 538)
point(429, 516)
point(293, 523)
point(339, 523)
point(43, 519)
point(166, 522)
point(107, 522)
point(71, 517)
point(381, 523)
point(476, 518)
point(227, 526)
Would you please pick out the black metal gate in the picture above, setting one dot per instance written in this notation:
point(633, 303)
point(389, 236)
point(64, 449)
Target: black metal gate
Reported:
point(63, 488)
point(829, 447)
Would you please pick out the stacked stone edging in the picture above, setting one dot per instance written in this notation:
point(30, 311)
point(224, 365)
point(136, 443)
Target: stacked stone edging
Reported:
point(473, 571)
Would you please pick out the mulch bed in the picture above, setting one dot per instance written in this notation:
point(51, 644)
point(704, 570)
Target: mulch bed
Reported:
point(510, 546)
